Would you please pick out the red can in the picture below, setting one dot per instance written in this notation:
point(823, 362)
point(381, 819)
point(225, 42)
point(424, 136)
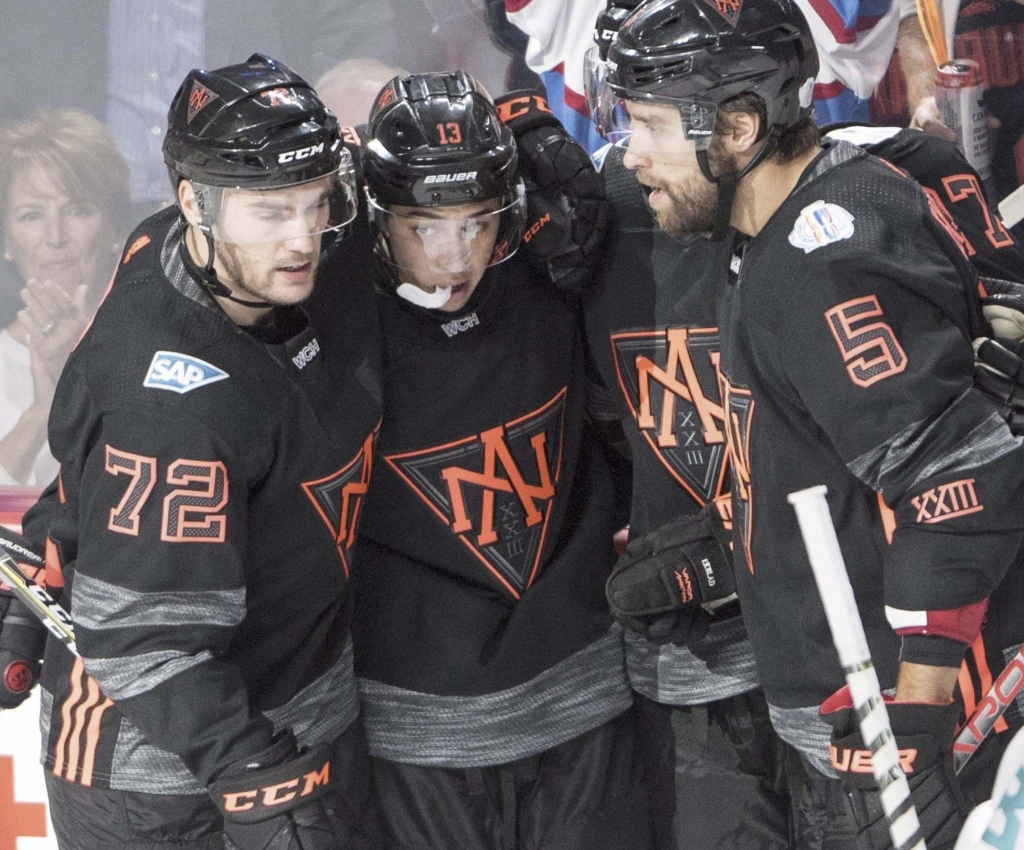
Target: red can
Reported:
point(958, 96)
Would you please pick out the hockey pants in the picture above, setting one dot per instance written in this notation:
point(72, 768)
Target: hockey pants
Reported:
point(584, 794)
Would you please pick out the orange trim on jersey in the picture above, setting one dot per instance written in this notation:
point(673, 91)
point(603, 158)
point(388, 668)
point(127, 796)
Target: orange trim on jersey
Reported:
point(75, 677)
point(888, 516)
point(54, 570)
point(985, 675)
point(88, 325)
point(967, 692)
point(75, 745)
point(60, 486)
point(895, 168)
point(92, 738)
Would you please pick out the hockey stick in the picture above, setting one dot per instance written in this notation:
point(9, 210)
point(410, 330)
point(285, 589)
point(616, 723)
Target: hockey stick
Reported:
point(38, 601)
point(848, 636)
point(1003, 692)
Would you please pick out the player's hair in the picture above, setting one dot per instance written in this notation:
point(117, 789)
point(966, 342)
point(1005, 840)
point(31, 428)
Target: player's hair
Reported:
point(75, 151)
point(797, 140)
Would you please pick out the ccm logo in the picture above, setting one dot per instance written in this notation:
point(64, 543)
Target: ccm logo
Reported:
point(276, 795)
point(461, 177)
point(534, 228)
point(301, 153)
point(859, 761)
point(310, 350)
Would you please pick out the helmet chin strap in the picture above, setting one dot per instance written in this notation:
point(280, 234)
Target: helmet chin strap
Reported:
point(207, 276)
point(727, 182)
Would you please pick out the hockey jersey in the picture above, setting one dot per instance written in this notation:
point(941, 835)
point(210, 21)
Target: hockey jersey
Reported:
point(211, 480)
point(654, 340)
point(481, 631)
point(847, 361)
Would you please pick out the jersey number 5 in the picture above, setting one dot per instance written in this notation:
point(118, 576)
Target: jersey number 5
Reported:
point(189, 511)
point(869, 348)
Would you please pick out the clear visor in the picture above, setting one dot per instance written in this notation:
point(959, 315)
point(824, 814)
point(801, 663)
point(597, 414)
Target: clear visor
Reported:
point(300, 212)
point(595, 69)
point(447, 245)
point(654, 130)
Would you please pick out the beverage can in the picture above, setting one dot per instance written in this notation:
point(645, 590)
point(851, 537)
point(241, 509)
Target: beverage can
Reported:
point(958, 97)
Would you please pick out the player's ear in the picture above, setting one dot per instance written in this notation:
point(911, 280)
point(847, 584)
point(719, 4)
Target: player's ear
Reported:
point(739, 131)
point(187, 202)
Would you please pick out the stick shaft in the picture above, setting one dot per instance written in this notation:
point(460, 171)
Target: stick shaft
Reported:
point(1003, 692)
point(38, 601)
point(844, 621)
point(934, 34)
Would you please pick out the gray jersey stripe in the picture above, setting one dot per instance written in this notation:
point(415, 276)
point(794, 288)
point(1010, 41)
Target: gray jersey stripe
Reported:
point(576, 695)
point(97, 604)
point(131, 675)
point(985, 444)
point(804, 729)
point(719, 666)
point(988, 441)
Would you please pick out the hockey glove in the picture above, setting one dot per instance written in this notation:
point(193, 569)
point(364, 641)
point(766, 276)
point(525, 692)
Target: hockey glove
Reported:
point(1002, 302)
point(924, 735)
point(670, 580)
point(999, 373)
point(567, 215)
point(22, 636)
point(278, 800)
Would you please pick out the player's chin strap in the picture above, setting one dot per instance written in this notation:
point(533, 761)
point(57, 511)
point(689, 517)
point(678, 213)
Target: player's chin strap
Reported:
point(727, 182)
point(207, 276)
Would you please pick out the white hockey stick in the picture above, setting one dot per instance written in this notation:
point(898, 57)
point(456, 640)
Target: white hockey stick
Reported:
point(848, 635)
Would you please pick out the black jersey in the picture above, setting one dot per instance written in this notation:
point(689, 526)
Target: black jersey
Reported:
point(953, 187)
point(481, 631)
point(847, 361)
point(209, 488)
point(653, 338)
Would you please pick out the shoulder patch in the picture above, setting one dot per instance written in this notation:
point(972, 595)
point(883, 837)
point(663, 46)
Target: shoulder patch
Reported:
point(180, 373)
point(820, 224)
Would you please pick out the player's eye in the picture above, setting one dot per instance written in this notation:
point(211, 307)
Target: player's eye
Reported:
point(424, 230)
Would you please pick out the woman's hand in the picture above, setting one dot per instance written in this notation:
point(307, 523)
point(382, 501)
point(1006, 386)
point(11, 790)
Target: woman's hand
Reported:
point(54, 320)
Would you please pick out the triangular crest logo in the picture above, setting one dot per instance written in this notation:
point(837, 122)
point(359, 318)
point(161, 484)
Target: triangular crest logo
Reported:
point(198, 98)
point(495, 490)
point(338, 498)
point(669, 379)
point(728, 9)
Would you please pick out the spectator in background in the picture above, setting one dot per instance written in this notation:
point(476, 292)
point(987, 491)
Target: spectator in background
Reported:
point(350, 87)
point(63, 205)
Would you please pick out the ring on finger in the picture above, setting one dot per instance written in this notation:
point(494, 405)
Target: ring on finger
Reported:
point(48, 327)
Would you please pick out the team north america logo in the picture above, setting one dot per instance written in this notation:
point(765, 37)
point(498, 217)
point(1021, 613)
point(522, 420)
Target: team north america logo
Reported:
point(669, 379)
point(495, 490)
point(338, 499)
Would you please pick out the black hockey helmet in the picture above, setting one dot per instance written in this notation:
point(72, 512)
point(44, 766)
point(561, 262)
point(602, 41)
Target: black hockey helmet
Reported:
point(695, 54)
point(595, 60)
point(436, 141)
point(258, 127)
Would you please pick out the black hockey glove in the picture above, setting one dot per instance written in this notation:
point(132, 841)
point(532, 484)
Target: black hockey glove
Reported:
point(22, 635)
point(671, 580)
point(924, 735)
point(275, 800)
point(999, 373)
point(568, 215)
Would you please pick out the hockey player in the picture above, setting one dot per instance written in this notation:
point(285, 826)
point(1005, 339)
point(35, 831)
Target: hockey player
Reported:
point(846, 360)
point(215, 444)
point(703, 725)
point(492, 676)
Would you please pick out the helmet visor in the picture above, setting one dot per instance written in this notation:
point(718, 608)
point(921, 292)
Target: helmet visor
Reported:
point(444, 245)
point(595, 70)
point(298, 212)
point(656, 130)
